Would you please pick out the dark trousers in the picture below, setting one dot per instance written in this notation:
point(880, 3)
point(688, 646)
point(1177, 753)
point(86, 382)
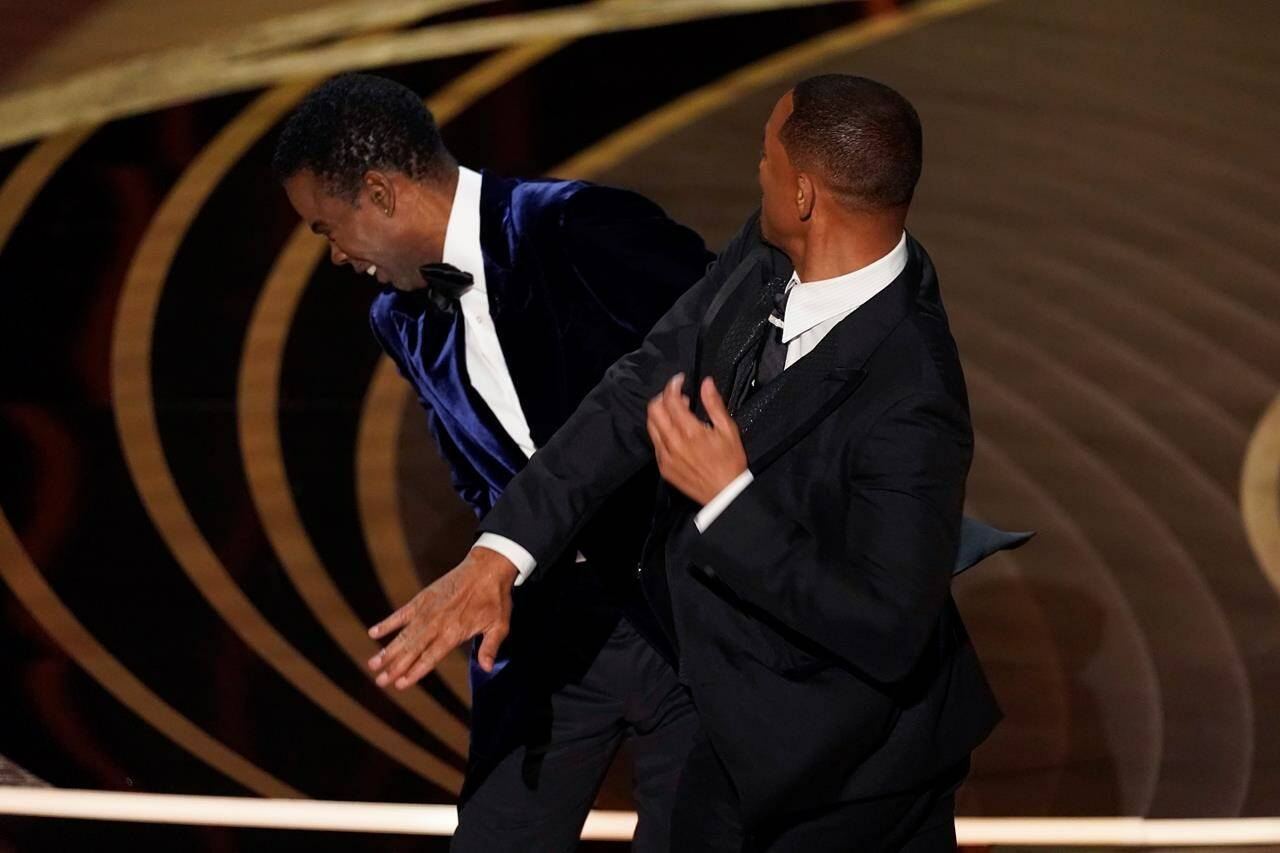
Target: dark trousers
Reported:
point(577, 701)
point(707, 818)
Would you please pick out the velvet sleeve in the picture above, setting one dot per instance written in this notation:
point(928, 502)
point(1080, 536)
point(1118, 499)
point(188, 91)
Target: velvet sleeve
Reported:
point(629, 256)
point(466, 481)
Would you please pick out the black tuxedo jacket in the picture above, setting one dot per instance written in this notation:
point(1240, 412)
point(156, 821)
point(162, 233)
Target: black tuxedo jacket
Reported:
point(814, 620)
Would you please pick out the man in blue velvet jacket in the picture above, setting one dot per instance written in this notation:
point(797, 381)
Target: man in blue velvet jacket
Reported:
point(504, 302)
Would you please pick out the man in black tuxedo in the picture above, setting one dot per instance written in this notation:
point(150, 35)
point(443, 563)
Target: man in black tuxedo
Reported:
point(802, 553)
point(503, 303)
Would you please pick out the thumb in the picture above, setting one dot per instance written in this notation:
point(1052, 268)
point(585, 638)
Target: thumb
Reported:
point(488, 653)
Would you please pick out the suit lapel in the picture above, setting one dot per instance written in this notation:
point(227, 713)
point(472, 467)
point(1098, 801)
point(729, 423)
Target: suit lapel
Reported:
point(787, 409)
point(784, 411)
point(732, 325)
point(437, 342)
point(524, 324)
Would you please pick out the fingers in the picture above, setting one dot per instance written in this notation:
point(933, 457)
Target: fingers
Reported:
point(714, 404)
point(406, 656)
point(395, 658)
point(392, 622)
point(424, 663)
point(676, 405)
point(656, 434)
point(473, 597)
point(661, 427)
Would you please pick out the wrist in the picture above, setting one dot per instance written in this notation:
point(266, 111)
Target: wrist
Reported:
point(722, 483)
point(494, 564)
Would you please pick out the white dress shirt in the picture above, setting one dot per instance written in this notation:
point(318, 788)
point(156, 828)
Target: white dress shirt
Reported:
point(486, 366)
point(813, 309)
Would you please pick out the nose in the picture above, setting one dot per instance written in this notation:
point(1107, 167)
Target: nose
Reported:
point(336, 255)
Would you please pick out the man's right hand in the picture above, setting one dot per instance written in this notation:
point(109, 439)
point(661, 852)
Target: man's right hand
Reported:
point(473, 598)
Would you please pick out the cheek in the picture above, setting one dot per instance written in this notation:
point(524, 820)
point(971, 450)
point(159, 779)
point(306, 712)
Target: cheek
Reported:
point(363, 240)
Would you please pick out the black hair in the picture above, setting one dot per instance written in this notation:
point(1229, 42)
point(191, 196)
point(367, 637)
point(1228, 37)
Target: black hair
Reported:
point(860, 136)
point(357, 122)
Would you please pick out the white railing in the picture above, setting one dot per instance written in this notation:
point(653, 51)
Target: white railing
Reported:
point(412, 819)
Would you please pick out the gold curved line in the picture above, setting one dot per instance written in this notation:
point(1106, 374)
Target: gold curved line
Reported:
point(30, 587)
point(47, 109)
point(134, 409)
point(382, 413)
point(258, 408)
point(377, 479)
point(30, 175)
point(24, 578)
point(1260, 493)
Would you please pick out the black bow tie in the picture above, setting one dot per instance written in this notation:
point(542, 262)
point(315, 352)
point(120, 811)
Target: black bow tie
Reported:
point(445, 283)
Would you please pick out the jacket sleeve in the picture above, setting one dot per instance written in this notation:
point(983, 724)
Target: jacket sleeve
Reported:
point(869, 592)
point(605, 441)
point(630, 257)
point(469, 485)
point(467, 482)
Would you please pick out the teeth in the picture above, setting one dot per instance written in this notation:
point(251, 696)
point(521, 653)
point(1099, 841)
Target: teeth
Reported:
point(372, 269)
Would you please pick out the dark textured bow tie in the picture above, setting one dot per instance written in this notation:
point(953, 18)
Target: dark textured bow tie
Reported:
point(445, 283)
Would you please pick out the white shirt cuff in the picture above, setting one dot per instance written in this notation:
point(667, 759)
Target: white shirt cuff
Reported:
point(513, 551)
point(716, 505)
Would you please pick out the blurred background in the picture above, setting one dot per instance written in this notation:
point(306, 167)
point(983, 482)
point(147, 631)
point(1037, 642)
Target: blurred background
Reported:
point(210, 480)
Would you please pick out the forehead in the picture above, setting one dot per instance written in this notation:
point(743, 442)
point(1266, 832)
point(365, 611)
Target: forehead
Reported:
point(781, 110)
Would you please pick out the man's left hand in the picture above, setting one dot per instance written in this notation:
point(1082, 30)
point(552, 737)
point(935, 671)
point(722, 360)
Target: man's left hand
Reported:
point(698, 458)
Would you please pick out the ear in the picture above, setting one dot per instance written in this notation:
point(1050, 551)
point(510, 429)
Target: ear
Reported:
point(806, 196)
point(380, 191)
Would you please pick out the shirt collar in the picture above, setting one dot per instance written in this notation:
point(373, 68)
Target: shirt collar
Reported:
point(462, 233)
point(816, 302)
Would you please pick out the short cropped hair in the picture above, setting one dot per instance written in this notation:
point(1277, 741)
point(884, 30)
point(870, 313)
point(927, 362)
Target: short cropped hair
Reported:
point(357, 122)
point(860, 136)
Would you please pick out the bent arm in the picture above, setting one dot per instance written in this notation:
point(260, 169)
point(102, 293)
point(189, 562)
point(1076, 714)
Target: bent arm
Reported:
point(605, 441)
point(871, 591)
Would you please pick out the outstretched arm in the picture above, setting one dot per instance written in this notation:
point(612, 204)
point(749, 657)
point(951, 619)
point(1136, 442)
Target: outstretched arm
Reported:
point(543, 507)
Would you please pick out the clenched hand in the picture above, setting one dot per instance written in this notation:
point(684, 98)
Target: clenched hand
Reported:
point(473, 598)
point(697, 458)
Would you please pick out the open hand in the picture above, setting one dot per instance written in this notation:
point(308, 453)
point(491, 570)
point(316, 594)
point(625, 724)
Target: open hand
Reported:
point(697, 458)
point(473, 598)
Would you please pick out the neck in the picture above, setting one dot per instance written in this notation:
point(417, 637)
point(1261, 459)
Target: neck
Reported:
point(838, 244)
